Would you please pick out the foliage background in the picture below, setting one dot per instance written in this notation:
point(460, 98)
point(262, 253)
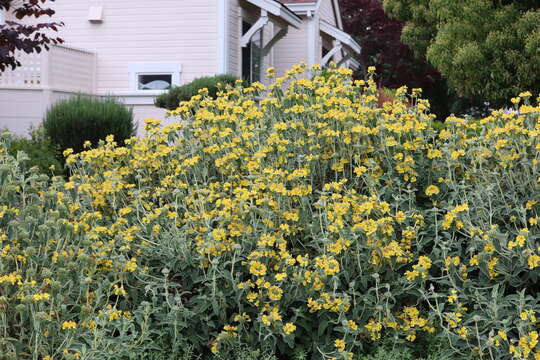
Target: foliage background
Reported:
point(485, 49)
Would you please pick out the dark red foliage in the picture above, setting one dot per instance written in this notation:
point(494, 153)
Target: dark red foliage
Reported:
point(16, 36)
point(379, 36)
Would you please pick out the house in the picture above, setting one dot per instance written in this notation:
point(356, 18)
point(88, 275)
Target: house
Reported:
point(135, 49)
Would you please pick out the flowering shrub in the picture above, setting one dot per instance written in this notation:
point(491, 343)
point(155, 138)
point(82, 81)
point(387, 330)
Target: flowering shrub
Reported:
point(312, 220)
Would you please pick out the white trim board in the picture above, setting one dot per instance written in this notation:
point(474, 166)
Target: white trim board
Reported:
point(145, 97)
point(303, 8)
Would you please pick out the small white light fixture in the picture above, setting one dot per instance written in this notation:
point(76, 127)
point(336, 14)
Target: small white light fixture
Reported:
point(95, 14)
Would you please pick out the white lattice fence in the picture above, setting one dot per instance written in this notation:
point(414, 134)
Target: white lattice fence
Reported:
point(29, 74)
point(71, 69)
point(61, 68)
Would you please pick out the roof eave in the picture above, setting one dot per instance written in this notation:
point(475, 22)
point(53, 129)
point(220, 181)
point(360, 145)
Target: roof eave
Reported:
point(278, 9)
point(342, 36)
point(303, 8)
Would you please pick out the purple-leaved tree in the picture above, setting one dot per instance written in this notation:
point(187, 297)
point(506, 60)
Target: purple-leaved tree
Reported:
point(15, 35)
point(380, 37)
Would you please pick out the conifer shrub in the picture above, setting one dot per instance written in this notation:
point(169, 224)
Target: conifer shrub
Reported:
point(71, 122)
point(307, 224)
point(172, 98)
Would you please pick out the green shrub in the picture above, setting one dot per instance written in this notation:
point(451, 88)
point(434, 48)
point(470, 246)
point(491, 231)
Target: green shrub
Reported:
point(38, 148)
point(71, 122)
point(177, 94)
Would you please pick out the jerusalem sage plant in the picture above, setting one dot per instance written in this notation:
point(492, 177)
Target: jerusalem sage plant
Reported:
point(313, 220)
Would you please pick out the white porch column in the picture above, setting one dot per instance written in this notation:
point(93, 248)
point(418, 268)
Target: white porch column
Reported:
point(313, 33)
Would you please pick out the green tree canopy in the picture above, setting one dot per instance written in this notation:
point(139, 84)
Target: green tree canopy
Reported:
point(486, 49)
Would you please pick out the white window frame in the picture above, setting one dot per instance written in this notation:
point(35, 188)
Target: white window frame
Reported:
point(153, 68)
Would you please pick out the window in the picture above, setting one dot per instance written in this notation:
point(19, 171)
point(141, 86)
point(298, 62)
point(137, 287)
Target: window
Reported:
point(153, 76)
point(252, 55)
point(154, 81)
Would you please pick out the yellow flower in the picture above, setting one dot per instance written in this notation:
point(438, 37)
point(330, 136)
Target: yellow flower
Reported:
point(41, 296)
point(374, 327)
point(452, 298)
point(67, 325)
point(214, 348)
point(432, 190)
point(257, 268)
point(68, 152)
point(131, 266)
point(340, 345)
point(289, 328)
point(360, 170)
point(275, 293)
point(528, 315)
point(529, 205)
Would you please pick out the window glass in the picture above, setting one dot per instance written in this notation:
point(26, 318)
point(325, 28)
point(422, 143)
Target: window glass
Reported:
point(154, 81)
point(252, 55)
point(246, 56)
point(256, 56)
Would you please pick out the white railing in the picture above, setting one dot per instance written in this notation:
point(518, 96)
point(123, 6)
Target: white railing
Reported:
point(61, 68)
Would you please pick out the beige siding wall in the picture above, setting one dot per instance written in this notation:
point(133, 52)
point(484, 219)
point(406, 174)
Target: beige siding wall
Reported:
point(327, 12)
point(183, 31)
point(292, 49)
point(24, 107)
point(143, 112)
point(11, 103)
point(235, 33)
